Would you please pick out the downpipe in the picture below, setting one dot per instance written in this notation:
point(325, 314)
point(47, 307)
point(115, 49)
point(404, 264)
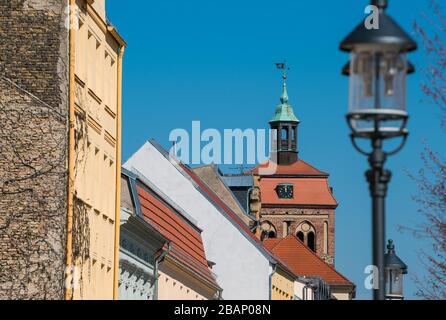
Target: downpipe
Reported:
point(158, 261)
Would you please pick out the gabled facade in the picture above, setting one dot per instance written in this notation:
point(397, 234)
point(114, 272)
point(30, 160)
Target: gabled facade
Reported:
point(244, 268)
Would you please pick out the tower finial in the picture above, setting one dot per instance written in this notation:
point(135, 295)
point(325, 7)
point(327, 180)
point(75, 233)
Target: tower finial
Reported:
point(381, 4)
point(390, 246)
point(284, 67)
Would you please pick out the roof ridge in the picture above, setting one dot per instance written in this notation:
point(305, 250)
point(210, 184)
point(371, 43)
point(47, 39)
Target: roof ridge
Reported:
point(317, 172)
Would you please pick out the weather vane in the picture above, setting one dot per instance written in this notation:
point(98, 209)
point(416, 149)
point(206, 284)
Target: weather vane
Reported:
point(284, 67)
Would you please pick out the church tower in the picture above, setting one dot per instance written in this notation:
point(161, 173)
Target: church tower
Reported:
point(296, 198)
point(286, 124)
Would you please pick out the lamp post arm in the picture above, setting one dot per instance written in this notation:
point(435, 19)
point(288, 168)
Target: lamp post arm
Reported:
point(357, 147)
point(401, 146)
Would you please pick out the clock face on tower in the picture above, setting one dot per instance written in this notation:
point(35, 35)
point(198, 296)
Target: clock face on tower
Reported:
point(285, 191)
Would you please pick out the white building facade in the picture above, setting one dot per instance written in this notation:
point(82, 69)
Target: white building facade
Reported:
point(242, 266)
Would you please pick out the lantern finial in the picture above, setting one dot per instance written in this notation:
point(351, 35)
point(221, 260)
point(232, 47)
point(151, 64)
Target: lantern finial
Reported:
point(391, 247)
point(382, 4)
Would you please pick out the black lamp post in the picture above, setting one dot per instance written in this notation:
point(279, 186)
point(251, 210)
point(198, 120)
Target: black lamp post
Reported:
point(395, 268)
point(377, 69)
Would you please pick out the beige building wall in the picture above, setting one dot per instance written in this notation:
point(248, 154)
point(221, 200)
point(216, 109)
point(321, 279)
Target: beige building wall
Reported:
point(97, 150)
point(175, 283)
point(302, 292)
point(282, 285)
point(342, 293)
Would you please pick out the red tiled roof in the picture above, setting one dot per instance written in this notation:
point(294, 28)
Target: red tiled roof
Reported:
point(187, 245)
point(300, 167)
point(307, 191)
point(304, 262)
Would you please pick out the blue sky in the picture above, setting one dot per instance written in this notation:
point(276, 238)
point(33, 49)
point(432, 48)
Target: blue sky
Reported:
point(213, 61)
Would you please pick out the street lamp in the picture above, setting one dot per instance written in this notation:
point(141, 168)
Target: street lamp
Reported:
point(377, 70)
point(395, 268)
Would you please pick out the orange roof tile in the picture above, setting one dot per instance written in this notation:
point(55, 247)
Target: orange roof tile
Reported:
point(307, 191)
point(304, 262)
point(300, 167)
point(187, 245)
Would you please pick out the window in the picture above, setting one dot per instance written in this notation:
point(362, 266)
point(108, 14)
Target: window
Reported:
point(272, 235)
point(91, 74)
point(268, 231)
point(284, 137)
point(99, 70)
point(80, 50)
point(95, 62)
point(107, 76)
point(307, 234)
point(285, 134)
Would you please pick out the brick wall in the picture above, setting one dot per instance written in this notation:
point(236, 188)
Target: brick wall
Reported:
point(33, 148)
point(296, 216)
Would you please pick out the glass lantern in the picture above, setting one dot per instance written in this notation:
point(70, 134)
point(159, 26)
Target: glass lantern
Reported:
point(394, 283)
point(394, 271)
point(378, 91)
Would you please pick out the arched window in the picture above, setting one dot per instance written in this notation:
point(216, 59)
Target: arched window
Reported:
point(269, 231)
point(307, 234)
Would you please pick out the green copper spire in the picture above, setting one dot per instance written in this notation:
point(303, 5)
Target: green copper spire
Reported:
point(284, 111)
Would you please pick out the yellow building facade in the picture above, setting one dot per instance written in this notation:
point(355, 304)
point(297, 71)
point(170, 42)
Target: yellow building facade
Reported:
point(96, 52)
point(282, 284)
point(178, 283)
